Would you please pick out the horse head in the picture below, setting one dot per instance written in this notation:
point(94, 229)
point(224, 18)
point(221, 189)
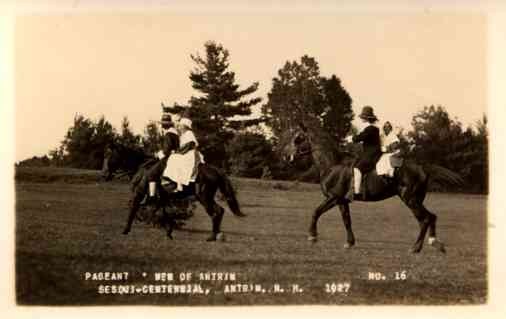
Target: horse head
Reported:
point(296, 145)
point(310, 139)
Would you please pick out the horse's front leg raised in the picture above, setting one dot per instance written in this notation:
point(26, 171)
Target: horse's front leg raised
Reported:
point(327, 204)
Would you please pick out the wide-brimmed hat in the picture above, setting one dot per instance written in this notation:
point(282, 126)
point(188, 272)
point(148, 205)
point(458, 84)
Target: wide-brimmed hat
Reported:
point(166, 120)
point(185, 122)
point(368, 113)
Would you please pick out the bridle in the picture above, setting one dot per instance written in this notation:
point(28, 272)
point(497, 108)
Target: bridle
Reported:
point(304, 151)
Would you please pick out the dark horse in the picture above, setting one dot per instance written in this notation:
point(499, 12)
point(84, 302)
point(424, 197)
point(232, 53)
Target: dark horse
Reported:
point(208, 181)
point(409, 182)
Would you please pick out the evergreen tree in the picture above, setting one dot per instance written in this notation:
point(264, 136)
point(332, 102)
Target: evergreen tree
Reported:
point(127, 137)
point(250, 155)
point(221, 108)
point(77, 142)
point(299, 89)
point(438, 139)
point(338, 113)
point(152, 138)
point(85, 141)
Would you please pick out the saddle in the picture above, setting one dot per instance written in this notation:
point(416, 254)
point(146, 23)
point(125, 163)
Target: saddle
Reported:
point(370, 182)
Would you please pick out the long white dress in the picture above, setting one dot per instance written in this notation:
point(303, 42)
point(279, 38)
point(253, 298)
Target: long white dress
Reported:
point(384, 166)
point(180, 167)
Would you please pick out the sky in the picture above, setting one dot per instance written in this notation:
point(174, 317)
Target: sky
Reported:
point(120, 64)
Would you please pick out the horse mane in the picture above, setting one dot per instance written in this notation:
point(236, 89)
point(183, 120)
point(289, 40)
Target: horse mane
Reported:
point(132, 157)
point(327, 144)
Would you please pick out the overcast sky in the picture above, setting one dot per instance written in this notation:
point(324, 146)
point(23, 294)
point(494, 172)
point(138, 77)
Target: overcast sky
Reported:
point(125, 64)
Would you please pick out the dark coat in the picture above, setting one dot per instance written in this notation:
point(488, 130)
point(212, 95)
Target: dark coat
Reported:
point(370, 138)
point(170, 142)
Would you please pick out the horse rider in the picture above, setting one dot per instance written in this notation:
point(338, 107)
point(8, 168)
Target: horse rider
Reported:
point(369, 136)
point(171, 133)
point(168, 145)
point(389, 139)
point(390, 144)
point(181, 166)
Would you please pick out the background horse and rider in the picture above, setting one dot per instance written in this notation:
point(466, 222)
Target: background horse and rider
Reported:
point(410, 181)
point(147, 168)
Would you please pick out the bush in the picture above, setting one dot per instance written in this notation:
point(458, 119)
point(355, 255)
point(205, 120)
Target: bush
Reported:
point(249, 155)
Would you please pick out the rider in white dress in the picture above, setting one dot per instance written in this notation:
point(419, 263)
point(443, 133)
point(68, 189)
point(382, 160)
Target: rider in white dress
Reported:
point(390, 147)
point(181, 165)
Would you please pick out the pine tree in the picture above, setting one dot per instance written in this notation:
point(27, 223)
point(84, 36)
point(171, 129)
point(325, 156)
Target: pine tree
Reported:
point(300, 89)
point(221, 108)
point(127, 137)
point(85, 141)
point(151, 141)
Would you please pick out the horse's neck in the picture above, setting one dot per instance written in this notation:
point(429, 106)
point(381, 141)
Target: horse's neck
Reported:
point(323, 157)
point(134, 158)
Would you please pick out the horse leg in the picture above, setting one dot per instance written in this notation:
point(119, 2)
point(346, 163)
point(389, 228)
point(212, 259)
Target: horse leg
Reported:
point(169, 222)
point(433, 241)
point(327, 204)
point(205, 195)
point(424, 217)
point(345, 213)
point(217, 218)
point(216, 213)
point(135, 204)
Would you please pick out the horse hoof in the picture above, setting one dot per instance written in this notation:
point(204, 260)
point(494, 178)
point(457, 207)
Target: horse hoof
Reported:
point(125, 232)
point(211, 238)
point(220, 237)
point(348, 246)
point(434, 242)
point(439, 246)
point(415, 250)
point(312, 239)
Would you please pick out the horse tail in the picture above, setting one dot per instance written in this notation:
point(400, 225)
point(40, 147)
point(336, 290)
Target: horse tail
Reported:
point(226, 188)
point(443, 175)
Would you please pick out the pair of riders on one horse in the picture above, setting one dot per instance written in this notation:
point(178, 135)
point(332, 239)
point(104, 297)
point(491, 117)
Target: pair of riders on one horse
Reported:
point(379, 149)
point(179, 148)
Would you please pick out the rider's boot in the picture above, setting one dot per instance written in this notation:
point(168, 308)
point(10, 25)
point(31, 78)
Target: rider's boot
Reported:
point(150, 199)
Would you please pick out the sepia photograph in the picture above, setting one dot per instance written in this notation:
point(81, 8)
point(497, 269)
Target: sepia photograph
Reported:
point(250, 155)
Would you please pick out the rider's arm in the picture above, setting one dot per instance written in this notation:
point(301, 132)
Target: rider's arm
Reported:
point(188, 142)
point(187, 147)
point(393, 147)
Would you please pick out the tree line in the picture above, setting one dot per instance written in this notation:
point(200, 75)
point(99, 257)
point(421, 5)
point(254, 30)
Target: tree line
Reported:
point(233, 140)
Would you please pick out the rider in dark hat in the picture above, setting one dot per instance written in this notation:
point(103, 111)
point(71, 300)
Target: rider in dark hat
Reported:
point(371, 143)
point(169, 144)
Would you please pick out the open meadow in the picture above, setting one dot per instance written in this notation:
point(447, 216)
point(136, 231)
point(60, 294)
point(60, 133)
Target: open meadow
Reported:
point(70, 224)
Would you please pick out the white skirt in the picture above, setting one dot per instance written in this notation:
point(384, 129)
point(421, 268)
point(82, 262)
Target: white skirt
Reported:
point(181, 167)
point(383, 167)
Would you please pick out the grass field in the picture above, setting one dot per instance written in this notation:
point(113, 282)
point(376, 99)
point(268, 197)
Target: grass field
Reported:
point(66, 227)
